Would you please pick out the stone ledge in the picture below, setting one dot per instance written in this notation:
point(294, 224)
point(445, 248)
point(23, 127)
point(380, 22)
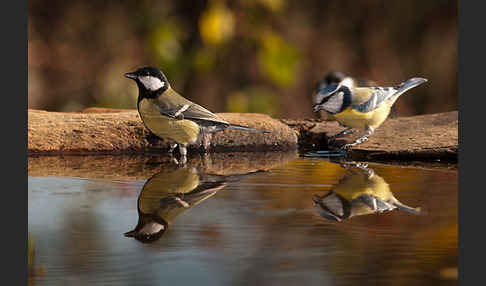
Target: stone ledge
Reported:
point(429, 137)
point(122, 131)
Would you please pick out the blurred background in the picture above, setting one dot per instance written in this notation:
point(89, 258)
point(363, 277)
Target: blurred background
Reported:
point(239, 56)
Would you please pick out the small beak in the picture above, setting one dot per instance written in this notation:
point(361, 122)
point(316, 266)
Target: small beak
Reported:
point(130, 233)
point(317, 107)
point(131, 75)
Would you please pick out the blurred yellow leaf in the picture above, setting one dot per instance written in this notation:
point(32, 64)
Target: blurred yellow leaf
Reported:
point(273, 5)
point(278, 59)
point(216, 24)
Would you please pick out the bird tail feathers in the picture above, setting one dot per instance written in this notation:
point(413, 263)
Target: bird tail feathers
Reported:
point(410, 83)
point(407, 85)
point(406, 208)
point(244, 128)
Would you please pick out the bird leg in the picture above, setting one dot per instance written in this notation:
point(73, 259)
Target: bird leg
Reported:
point(361, 139)
point(363, 167)
point(341, 134)
point(172, 146)
point(183, 152)
point(206, 142)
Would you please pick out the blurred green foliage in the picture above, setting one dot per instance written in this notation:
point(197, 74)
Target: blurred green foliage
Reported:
point(278, 60)
point(240, 56)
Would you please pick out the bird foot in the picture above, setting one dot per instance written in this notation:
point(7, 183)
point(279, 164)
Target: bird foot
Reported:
point(358, 141)
point(348, 164)
point(333, 138)
point(172, 147)
point(361, 165)
point(181, 162)
point(204, 149)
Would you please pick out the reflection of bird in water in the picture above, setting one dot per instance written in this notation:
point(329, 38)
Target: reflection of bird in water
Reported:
point(360, 192)
point(167, 194)
point(170, 192)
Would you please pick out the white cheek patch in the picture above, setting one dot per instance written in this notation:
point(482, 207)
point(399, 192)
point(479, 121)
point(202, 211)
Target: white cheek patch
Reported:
point(151, 83)
point(151, 228)
point(348, 82)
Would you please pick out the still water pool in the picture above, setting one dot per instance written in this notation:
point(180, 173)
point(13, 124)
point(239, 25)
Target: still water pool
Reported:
point(278, 220)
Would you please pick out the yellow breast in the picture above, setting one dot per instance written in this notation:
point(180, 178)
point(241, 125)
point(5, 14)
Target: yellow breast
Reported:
point(355, 119)
point(357, 185)
point(180, 131)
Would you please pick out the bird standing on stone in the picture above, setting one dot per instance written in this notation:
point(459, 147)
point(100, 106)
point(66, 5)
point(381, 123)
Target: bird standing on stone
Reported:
point(334, 78)
point(170, 116)
point(360, 107)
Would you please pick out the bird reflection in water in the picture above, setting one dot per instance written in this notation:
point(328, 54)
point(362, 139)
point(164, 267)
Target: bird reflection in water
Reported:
point(359, 192)
point(169, 193)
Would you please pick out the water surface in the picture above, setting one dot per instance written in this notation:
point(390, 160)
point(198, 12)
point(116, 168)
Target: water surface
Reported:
point(302, 221)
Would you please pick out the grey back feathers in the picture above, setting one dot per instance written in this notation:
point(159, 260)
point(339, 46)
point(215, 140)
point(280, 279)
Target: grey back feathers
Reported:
point(380, 94)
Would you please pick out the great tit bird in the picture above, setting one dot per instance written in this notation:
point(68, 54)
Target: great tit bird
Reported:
point(167, 194)
point(170, 116)
point(333, 78)
point(360, 107)
point(361, 191)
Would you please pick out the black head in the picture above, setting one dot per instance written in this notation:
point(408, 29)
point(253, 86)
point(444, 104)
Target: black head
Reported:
point(332, 206)
point(148, 229)
point(330, 79)
point(333, 98)
point(151, 82)
point(334, 78)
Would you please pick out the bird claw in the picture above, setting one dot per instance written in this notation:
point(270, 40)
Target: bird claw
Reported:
point(358, 141)
point(183, 161)
point(362, 165)
point(343, 133)
point(171, 148)
point(347, 146)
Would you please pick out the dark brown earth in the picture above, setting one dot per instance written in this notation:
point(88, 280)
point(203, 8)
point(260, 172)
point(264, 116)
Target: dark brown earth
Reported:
point(107, 131)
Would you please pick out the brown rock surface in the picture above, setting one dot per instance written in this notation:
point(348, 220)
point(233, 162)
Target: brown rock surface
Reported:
point(123, 132)
point(101, 130)
point(429, 137)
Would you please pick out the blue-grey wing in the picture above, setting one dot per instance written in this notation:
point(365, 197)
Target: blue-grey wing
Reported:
point(378, 96)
